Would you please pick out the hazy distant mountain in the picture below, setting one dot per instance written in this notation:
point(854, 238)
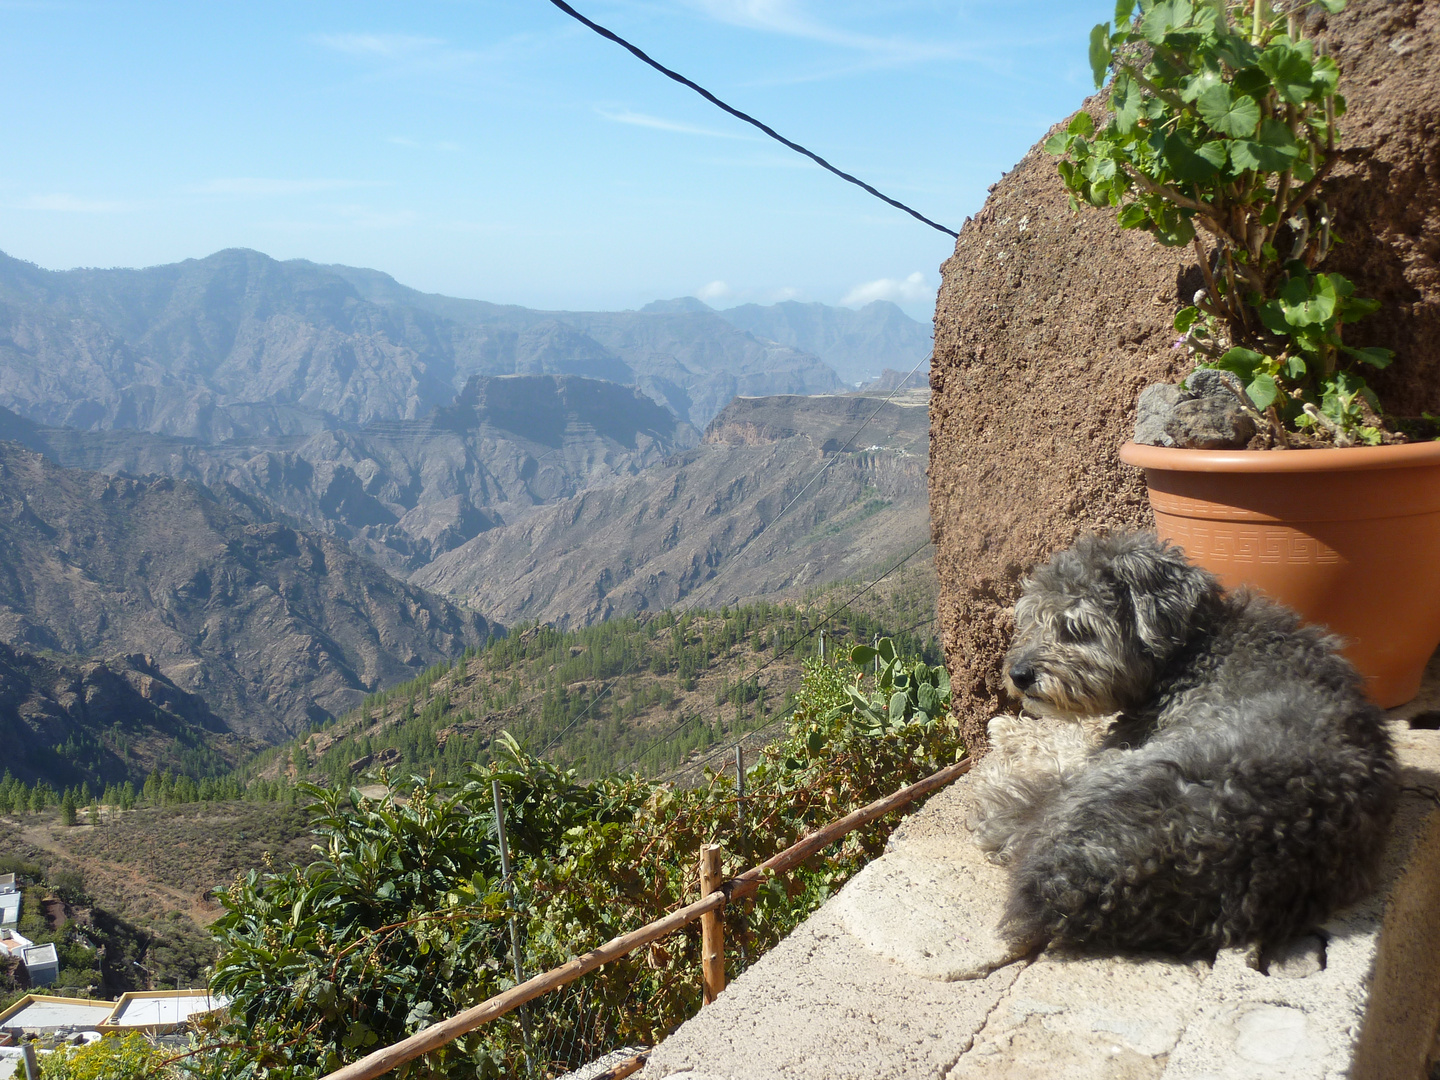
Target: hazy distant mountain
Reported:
point(687, 529)
point(238, 345)
point(273, 627)
point(405, 491)
point(859, 345)
point(688, 356)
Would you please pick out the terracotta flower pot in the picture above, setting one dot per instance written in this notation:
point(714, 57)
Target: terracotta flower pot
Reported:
point(1348, 538)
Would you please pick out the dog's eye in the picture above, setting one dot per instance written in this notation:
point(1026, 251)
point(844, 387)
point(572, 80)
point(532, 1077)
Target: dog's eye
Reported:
point(1074, 632)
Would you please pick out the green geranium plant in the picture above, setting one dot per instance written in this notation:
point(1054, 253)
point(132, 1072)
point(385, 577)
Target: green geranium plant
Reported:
point(906, 694)
point(1222, 123)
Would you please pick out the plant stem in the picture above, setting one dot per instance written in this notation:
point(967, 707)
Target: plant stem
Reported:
point(1167, 96)
point(1206, 274)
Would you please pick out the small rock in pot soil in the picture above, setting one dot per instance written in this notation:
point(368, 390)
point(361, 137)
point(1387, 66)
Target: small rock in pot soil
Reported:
point(1206, 412)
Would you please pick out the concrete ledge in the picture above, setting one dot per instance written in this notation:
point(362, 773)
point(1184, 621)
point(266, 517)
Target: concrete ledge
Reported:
point(902, 976)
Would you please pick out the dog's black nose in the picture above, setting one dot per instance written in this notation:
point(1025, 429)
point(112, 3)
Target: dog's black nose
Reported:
point(1022, 674)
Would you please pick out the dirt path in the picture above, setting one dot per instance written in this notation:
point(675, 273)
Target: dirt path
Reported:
point(118, 885)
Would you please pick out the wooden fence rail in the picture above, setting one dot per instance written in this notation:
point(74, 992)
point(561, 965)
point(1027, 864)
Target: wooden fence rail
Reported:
point(437, 1035)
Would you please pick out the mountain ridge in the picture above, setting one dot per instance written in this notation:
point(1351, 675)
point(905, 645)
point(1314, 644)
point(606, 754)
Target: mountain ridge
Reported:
point(404, 491)
point(273, 627)
point(240, 345)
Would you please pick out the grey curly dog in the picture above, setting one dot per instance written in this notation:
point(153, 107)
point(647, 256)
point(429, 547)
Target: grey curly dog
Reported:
point(1241, 792)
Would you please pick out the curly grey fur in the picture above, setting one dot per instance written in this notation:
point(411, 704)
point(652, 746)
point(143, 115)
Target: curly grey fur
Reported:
point(1242, 792)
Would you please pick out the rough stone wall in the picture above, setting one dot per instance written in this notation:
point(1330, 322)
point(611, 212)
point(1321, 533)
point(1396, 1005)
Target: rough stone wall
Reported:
point(1049, 323)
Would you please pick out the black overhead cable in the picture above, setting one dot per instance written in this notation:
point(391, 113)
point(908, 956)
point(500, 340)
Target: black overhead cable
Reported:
point(695, 596)
point(725, 749)
point(788, 648)
point(708, 96)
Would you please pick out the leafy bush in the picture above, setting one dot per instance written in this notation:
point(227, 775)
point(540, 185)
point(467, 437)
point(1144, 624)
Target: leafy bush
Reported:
point(404, 920)
point(128, 1057)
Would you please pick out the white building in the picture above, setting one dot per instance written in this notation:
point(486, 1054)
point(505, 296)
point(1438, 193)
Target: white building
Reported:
point(42, 963)
point(14, 942)
point(9, 901)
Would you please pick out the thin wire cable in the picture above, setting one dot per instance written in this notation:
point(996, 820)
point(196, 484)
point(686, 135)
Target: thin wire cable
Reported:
point(708, 96)
point(786, 649)
point(744, 547)
point(726, 748)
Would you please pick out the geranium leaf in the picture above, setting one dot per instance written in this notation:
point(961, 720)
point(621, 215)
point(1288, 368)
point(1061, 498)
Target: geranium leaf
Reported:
point(1262, 391)
point(1190, 163)
point(1242, 362)
point(1372, 355)
point(1100, 52)
point(1229, 113)
point(1165, 17)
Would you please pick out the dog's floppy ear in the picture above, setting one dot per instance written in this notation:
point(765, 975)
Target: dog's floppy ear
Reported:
point(1163, 590)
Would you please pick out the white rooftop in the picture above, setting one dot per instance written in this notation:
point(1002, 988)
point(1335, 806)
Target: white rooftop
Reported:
point(9, 908)
point(39, 955)
point(12, 941)
point(162, 1009)
point(7, 883)
point(42, 1014)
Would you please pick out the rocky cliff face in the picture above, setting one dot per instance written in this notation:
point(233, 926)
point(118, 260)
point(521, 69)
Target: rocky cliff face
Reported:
point(403, 492)
point(852, 422)
point(273, 627)
point(691, 529)
point(1049, 323)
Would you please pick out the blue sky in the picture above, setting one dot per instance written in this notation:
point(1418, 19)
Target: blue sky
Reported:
point(497, 149)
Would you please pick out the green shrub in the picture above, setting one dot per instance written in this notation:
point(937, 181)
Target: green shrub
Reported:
point(128, 1057)
point(404, 920)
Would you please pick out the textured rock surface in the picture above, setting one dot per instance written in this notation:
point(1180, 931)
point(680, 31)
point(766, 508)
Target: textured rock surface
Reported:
point(275, 628)
point(1205, 412)
point(693, 526)
point(899, 976)
point(1049, 323)
point(405, 491)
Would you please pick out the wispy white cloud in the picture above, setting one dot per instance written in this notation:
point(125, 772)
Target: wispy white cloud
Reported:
point(625, 116)
point(263, 187)
point(388, 46)
point(400, 54)
point(70, 204)
point(912, 289)
point(789, 17)
point(716, 290)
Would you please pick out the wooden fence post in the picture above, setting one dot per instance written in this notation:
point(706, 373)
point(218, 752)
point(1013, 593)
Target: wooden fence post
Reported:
point(712, 926)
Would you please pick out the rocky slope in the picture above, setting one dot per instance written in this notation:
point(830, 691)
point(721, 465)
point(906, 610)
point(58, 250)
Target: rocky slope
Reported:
point(273, 627)
point(691, 529)
point(1050, 323)
point(687, 356)
point(406, 491)
point(103, 722)
point(238, 345)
